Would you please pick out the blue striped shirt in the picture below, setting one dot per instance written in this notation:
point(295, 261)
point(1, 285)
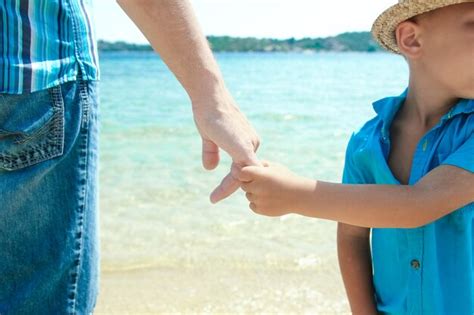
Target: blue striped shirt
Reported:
point(45, 43)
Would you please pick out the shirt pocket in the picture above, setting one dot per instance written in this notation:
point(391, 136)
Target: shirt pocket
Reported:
point(31, 128)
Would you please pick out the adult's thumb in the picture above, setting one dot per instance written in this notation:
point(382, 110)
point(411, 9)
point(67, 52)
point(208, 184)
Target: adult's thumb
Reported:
point(210, 154)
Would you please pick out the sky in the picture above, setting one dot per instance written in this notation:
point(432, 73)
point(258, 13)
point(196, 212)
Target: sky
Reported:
point(257, 18)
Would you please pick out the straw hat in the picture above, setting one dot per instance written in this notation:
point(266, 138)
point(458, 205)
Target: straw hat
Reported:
point(385, 25)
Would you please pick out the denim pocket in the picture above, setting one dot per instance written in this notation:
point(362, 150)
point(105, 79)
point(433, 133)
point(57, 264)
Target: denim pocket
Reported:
point(31, 128)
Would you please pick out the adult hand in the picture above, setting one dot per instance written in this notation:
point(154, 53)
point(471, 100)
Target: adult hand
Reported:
point(172, 29)
point(222, 125)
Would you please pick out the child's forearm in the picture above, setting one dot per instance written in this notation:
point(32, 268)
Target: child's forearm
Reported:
point(381, 206)
point(360, 205)
point(274, 190)
point(353, 247)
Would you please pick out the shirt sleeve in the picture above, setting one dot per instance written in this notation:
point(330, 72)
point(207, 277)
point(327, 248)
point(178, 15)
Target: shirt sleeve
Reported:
point(351, 174)
point(463, 157)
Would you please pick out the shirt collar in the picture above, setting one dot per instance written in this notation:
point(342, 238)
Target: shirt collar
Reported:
point(387, 108)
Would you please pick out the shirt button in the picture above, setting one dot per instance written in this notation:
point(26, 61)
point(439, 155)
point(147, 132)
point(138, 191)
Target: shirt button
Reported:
point(425, 145)
point(415, 264)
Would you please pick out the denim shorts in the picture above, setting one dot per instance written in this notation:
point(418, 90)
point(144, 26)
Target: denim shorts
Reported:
point(49, 236)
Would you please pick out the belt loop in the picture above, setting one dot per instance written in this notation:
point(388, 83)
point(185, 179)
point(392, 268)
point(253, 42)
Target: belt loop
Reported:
point(80, 73)
point(84, 96)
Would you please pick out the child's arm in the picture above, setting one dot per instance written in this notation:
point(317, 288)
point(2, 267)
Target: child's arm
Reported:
point(353, 248)
point(274, 190)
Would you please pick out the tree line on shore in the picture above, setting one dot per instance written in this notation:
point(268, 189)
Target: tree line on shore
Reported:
point(352, 41)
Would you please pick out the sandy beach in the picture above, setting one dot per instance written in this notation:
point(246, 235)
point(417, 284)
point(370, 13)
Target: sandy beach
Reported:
point(168, 290)
point(164, 248)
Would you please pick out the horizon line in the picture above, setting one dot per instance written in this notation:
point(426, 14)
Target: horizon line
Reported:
point(255, 37)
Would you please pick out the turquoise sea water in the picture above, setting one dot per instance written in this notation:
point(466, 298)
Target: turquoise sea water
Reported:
point(155, 209)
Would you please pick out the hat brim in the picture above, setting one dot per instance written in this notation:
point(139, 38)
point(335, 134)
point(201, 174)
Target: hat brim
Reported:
point(383, 29)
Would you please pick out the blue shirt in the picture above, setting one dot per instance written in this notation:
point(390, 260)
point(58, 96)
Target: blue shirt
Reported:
point(44, 43)
point(429, 269)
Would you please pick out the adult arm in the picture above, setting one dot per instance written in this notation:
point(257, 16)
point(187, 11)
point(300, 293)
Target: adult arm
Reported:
point(173, 31)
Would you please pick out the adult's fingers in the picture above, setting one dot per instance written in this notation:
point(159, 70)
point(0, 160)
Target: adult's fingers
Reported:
point(210, 154)
point(248, 187)
point(235, 170)
point(231, 181)
point(265, 163)
point(226, 188)
point(252, 160)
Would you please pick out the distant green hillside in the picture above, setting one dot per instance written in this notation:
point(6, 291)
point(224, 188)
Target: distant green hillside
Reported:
point(355, 41)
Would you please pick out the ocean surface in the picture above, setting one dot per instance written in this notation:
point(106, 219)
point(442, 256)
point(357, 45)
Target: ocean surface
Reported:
point(155, 212)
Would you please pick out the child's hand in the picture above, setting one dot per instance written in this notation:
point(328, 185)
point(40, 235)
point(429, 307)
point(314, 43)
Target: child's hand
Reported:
point(273, 190)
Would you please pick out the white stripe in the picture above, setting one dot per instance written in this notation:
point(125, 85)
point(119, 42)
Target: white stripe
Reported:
point(20, 47)
point(44, 41)
point(31, 16)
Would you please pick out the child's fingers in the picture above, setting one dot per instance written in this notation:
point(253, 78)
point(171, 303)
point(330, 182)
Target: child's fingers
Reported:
point(253, 206)
point(250, 197)
point(248, 187)
point(247, 173)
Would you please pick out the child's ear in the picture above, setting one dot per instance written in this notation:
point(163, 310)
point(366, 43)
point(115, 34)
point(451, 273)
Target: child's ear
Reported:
point(408, 39)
